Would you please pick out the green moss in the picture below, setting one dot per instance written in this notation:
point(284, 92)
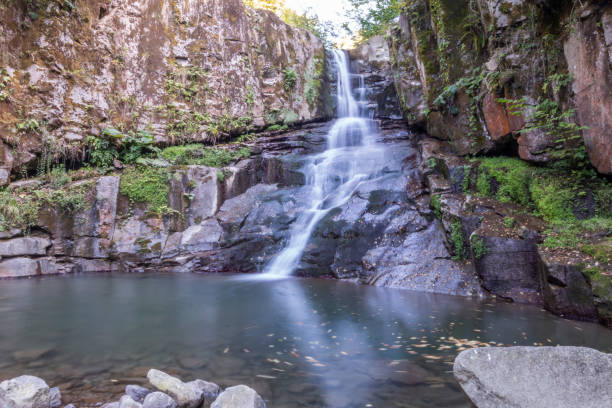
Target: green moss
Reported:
point(460, 250)
point(483, 184)
point(509, 222)
point(513, 176)
point(553, 200)
point(147, 185)
point(602, 251)
point(198, 154)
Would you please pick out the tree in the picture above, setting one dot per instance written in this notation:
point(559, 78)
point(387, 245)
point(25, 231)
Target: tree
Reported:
point(372, 16)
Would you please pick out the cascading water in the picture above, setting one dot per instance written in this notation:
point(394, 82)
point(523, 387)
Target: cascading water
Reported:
point(333, 176)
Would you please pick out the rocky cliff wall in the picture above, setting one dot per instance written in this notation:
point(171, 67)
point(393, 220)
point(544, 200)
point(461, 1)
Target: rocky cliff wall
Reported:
point(508, 76)
point(180, 70)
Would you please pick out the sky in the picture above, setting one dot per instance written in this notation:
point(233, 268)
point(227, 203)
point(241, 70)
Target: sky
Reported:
point(332, 10)
point(327, 10)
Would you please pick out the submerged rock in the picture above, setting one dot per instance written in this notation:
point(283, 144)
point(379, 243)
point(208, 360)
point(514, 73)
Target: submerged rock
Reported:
point(25, 391)
point(187, 395)
point(535, 377)
point(239, 396)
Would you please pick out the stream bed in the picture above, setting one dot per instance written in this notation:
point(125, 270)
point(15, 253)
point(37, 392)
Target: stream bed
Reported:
point(298, 342)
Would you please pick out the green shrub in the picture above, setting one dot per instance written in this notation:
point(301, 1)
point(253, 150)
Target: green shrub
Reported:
point(289, 79)
point(276, 128)
point(458, 241)
point(465, 183)
point(18, 211)
point(509, 222)
point(436, 205)
point(483, 184)
point(479, 248)
point(197, 154)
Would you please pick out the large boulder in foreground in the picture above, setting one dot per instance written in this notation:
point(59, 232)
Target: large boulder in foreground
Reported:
point(239, 396)
point(535, 377)
point(25, 391)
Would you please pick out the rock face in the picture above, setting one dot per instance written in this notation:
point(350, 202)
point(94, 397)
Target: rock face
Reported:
point(588, 50)
point(27, 392)
point(445, 63)
point(239, 396)
point(534, 377)
point(216, 65)
point(372, 60)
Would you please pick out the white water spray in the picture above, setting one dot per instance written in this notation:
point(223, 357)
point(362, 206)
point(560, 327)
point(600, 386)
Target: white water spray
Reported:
point(334, 175)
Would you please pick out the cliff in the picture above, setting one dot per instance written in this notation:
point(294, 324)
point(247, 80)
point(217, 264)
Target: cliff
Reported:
point(176, 72)
point(526, 77)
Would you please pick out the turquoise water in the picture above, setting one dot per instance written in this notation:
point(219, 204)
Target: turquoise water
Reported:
point(298, 342)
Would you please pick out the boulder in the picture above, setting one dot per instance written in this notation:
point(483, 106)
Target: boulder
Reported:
point(239, 396)
point(158, 400)
point(566, 290)
point(535, 377)
point(24, 246)
point(186, 395)
point(5, 402)
point(127, 402)
point(210, 390)
point(26, 391)
point(137, 392)
point(55, 397)
point(111, 405)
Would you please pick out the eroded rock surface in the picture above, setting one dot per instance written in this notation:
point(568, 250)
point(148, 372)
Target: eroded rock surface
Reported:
point(148, 65)
point(535, 377)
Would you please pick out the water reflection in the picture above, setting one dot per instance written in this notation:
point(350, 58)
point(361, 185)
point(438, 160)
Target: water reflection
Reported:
point(298, 342)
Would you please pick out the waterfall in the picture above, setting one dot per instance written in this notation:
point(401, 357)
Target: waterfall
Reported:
point(332, 176)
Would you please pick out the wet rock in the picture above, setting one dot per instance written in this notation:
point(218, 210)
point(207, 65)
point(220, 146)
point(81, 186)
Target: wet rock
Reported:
point(24, 246)
point(27, 391)
point(185, 394)
point(209, 390)
point(69, 406)
point(510, 268)
point(137, 392)
point(158, 400)
point(5, 402)
point(372, 60)
point(111, 405)
point(55, 397)
point(239, 396)
point(566, 290)
point(127, 402)
point(18, 267)
point(535, 377)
